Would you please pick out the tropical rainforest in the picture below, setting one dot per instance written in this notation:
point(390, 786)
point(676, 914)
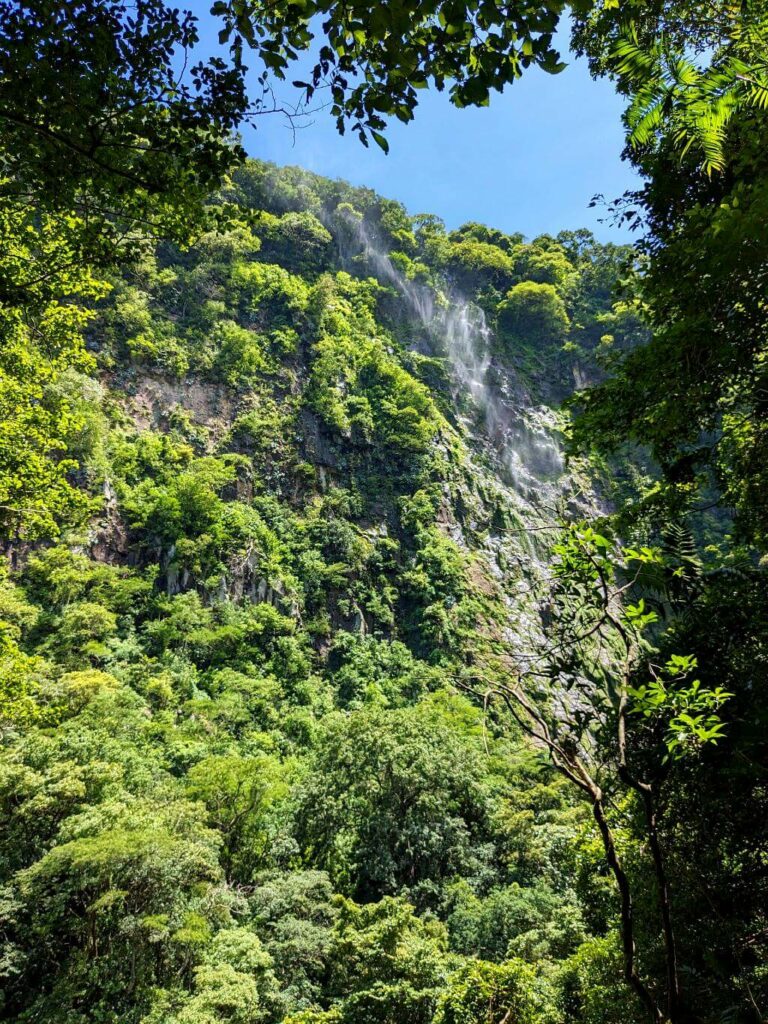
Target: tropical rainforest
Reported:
point(383, 607)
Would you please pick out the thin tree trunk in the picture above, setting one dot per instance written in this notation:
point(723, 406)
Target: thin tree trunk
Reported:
point(665, 903)
point(645, 791)
point(627, 911)
point(573, 769)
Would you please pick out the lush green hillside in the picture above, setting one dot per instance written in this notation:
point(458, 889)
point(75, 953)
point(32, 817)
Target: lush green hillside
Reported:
point(331, 692)
point(314, 695)
point(242, 777)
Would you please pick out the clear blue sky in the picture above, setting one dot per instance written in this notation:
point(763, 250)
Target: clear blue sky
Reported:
point(530, 162)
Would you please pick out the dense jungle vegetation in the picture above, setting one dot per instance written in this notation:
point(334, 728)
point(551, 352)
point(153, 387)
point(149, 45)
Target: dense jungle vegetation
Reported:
point(316, 706)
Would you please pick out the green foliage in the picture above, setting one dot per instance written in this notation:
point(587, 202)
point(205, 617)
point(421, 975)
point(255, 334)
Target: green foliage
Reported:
point(474, 48)
point(355, 385)
point(373, 671)
point(43, 397)
point(695, 104)
point(247, 660)
point(297, 241)
point(394, 801)
point(294, 912)
point(19, 684)
point(234, 982)
point(590, 994)
point(117, 134)
point(128, 881)
point(473, 261)
point(387, 964)
point(692, 395)
point(589, 565)
point(483, 993)
point(690, 710)
point(533, 314)
point(268, 290)
point(239, 793)
point(545, 262)
point(536, 923)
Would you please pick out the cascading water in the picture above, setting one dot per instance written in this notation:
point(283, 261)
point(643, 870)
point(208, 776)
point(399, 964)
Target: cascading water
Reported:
point(494, 409)
point(515, 451)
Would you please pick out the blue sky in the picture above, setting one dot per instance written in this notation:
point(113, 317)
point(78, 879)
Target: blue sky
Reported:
point(530, 162)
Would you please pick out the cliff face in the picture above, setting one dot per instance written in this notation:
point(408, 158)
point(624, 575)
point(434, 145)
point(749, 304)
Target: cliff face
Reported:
point(324, 458)
point(341, 360)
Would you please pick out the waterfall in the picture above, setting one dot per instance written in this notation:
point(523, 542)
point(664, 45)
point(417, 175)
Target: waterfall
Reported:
point(515, 451)
point(493, 406)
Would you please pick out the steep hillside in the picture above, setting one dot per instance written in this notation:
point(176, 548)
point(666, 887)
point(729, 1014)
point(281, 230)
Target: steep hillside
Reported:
point(247, 777)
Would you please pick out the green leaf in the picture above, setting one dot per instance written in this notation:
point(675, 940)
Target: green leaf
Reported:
point(380, 141)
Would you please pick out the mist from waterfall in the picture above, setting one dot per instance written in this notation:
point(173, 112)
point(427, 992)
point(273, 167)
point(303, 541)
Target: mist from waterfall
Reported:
point(522, 434)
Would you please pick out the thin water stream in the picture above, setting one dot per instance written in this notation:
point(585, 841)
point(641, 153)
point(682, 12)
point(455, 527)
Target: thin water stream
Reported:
point(494, 407)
